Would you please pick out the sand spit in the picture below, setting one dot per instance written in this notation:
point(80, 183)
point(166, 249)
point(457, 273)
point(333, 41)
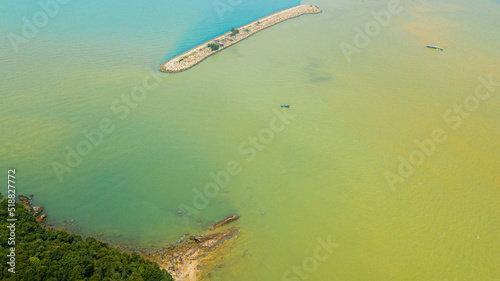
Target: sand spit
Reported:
point(196, 55)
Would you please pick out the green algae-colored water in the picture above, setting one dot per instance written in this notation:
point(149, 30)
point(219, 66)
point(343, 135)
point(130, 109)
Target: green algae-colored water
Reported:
point(322, 177)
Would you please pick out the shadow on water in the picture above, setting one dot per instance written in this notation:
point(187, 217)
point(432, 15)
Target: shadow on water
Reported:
point(316, 70)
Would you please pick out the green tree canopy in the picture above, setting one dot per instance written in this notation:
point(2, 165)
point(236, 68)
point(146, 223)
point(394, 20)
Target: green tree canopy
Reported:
point(214, 47)
point(58, 256)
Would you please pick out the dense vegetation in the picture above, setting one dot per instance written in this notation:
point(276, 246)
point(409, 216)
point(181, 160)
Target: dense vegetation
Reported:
point(214, 47)
point(57, 255)
point(234, 31)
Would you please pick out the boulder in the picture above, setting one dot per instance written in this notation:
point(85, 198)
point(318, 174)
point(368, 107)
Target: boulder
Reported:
point(225, 221)
point(37, 210)
point(41, 218)
point(25, 201)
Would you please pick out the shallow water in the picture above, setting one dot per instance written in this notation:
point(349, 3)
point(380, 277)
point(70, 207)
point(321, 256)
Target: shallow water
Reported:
point(322, 176)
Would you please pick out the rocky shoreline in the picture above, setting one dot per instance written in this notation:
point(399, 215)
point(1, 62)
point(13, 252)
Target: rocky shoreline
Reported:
point(36, 211)
point(191, 255)
point(188, 258)
point(185, 260)
point(198, 54)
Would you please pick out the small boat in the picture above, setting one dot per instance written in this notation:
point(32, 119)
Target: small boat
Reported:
point(435, 47)
point(285, 105)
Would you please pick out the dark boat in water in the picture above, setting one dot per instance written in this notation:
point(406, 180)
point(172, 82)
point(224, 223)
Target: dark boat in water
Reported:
point(435, 47)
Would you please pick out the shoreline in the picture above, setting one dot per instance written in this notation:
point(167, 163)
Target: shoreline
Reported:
point(196, 55)
point(190, 258)
point(194, 257)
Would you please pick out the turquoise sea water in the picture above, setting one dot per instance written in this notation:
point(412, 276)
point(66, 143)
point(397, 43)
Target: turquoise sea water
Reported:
point(82, 56)
point(164, 26)
point(323, 175)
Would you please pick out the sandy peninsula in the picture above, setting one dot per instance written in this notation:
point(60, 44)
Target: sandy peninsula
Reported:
point(196, 55)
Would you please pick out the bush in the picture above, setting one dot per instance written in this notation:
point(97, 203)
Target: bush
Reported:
point(214, 47)
point(234, 31)
point(57, 255)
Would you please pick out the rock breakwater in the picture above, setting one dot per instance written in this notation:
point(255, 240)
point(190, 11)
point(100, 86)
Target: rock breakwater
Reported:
point(196, 55)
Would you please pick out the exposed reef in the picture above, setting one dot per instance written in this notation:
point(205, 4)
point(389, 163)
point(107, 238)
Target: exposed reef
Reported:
point(192, 254)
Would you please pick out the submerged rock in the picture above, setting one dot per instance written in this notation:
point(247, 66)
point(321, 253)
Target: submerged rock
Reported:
point(225, 221)
point(213, 239)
